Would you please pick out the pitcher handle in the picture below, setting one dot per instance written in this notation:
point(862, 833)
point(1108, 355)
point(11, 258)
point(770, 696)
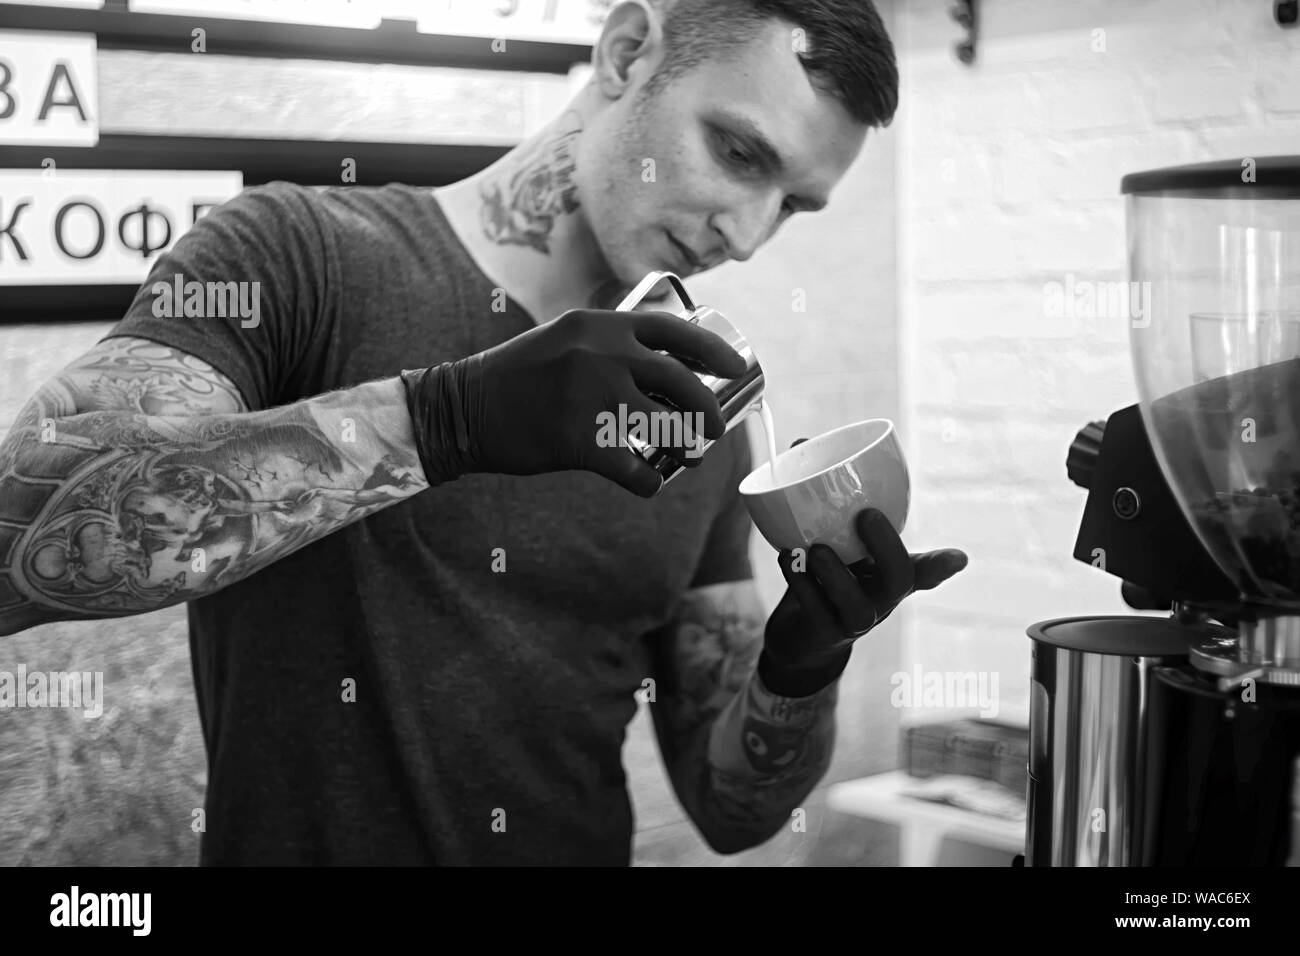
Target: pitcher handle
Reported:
point(652, 279)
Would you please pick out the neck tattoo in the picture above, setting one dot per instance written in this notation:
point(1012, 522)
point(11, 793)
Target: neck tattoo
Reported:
point(524, 210)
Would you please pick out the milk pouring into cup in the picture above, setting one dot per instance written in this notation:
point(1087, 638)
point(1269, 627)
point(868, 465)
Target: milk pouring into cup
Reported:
point(769, 431)
point(810, 493)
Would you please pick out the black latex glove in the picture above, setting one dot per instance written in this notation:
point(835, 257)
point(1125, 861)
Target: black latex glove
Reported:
point(829, 605)
point(531, 405)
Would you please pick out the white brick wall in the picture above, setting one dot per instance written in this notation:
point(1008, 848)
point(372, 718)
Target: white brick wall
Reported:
point(1008, 178)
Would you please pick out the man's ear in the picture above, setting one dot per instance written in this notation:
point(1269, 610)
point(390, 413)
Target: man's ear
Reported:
point(631, 43)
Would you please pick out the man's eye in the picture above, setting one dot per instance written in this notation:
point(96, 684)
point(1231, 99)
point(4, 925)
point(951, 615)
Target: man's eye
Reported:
point(731, 151)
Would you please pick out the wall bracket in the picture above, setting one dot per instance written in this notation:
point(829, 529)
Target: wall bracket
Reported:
point(966, 13)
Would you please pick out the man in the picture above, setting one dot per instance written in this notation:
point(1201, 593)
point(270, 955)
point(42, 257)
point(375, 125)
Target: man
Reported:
point(441, 670)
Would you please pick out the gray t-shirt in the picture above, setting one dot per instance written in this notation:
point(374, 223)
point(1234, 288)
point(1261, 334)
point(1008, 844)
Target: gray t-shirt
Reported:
point(482, 696)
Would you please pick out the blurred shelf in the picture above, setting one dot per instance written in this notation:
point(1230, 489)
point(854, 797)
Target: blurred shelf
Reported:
point(309, 162)
point(67, 303)
point(923, 824)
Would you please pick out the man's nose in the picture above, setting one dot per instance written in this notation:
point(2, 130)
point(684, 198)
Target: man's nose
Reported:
point(744, 228)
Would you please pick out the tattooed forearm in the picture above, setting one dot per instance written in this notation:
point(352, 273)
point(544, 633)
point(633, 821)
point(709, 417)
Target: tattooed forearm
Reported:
point(521, 206)
point(741, 758)
point(766, 754)
point(106, 513)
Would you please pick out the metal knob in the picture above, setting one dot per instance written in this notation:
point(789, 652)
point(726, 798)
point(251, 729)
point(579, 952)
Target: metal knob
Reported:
point(1081, 460)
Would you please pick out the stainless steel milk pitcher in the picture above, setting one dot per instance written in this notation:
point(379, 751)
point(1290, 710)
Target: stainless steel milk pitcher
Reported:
point(736, 396)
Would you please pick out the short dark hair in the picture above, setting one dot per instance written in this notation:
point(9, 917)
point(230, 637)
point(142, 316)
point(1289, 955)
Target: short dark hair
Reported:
point(847, 51)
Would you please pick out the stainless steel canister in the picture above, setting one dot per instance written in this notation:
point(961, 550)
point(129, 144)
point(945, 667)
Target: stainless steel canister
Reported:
point(736, 396)
point(1087, 722)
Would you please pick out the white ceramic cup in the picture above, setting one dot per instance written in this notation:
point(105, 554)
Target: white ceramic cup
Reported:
point(822, 485)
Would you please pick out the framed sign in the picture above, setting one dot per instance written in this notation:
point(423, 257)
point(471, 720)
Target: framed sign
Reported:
point(94, 227)
point(326, 13)
point(560, 21)
point(565, 21)
point(48, 92)
point(542, 36)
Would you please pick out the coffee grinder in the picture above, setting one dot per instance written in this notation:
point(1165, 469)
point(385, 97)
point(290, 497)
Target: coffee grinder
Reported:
point(1174, 740)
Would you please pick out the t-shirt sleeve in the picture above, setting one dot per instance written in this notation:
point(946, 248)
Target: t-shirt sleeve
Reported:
point(241, 290)
point(726, 552)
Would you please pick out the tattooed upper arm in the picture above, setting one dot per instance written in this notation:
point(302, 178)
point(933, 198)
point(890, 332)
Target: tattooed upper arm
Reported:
point(137, 478)
point(134, 375)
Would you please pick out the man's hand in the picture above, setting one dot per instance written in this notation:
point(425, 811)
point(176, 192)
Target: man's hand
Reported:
point(829, 605)
point(531, 404)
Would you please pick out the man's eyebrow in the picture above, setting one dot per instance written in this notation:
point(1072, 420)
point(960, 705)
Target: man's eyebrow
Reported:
point(771, 159)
